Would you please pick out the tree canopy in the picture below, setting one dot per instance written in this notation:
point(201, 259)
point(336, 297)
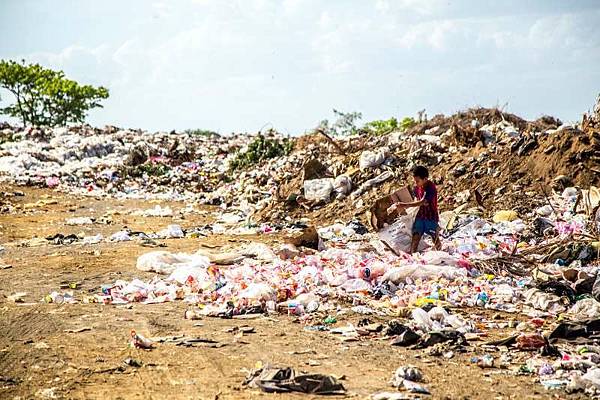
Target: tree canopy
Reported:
point(44, 97)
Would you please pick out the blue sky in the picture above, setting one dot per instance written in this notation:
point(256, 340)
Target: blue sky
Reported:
point(237, 65)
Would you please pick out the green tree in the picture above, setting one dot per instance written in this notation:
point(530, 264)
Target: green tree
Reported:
point(44, 97)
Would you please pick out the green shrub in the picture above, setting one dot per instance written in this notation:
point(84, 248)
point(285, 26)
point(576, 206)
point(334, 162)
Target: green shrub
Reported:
point(381, 127)
point(407, 123)
point(148, 168)
point(259, 150)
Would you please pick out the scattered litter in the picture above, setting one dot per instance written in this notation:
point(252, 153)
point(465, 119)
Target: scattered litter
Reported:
point(282, 380)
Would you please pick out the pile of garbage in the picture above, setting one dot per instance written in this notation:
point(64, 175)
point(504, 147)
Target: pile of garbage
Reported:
point(481, 153)
point(546, 269)
point(520, 234)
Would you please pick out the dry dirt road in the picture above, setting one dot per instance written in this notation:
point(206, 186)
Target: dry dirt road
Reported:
point(77, 351)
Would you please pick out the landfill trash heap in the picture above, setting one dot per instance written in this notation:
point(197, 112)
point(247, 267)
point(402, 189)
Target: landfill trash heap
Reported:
point(497, 155)
point(545, 269)
point(520, 232)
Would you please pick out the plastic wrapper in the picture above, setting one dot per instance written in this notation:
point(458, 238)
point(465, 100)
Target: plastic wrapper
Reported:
point(400, 274)
point(398, 235)
point(318, 189)
point(163, 262)
point(372, 159)
point(342, 185)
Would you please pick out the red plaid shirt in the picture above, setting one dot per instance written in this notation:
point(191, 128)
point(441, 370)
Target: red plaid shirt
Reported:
point(428, 211)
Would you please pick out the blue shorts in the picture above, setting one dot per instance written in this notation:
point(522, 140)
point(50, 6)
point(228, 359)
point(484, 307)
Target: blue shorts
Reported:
point(422, 226)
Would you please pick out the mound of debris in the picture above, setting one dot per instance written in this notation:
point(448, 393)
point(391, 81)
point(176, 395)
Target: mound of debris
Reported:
point(482, 154)
point(496, 159)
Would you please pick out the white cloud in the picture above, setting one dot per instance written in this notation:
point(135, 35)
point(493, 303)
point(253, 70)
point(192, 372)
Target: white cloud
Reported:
point(243, 61)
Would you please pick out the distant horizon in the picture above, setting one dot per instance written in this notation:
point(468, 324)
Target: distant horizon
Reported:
point(236, 66)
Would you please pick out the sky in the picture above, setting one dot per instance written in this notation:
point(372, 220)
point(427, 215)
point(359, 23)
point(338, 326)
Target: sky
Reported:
point(238, 65)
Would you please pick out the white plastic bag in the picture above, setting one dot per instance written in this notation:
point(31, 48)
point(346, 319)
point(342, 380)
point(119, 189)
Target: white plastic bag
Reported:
point(592, 378)
point(164, 262)
point(121, 236)
point(398, 275)
point(172, 231)
point(372, 159)
point(439, 258)
point(398, 235)
point(422, 319)
point(342, 185)
point(356, 285)
point(183, 272)
point(258, 292)
point(318, 189)
point(79, 221)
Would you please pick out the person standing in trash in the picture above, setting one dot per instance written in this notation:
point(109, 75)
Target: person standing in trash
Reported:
point(427, 219)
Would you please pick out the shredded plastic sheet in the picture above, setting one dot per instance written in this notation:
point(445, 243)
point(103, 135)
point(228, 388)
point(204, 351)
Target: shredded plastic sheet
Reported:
point(398, 236)
point(163, 262)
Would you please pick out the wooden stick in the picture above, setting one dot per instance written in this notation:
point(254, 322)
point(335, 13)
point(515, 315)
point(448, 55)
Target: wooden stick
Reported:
point(330, 140)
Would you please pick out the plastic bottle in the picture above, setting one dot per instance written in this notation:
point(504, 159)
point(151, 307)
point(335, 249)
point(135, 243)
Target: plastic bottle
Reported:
point(482, 299)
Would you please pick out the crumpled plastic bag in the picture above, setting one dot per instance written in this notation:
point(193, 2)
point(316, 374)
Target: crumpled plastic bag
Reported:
point(592, 377)
point(318, 189)
point(121, 236)
point(258, 292)
point(342, 185)
point(398, 235)
point(183, 273)
point(544, 301)
point(439, 258)
point(164, 262)
point(398, 275)
point(283, 380)
point(585, 309)
point(171, 231)
point(371, 159)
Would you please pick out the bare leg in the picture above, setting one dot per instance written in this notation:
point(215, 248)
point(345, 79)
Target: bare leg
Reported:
point(436, 240)
point(414, 244)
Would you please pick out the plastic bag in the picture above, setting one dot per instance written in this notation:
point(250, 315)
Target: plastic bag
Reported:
point(592, 377)
point(172, 231)
point(93, 239)
point(438, 314)
point(439, 258)
point(318, 189)
point(182, 273)
point(164, 262)
point(585, 309)
point(258, 292)
point(79, 221)
point(342, 185)
point(356, 285)
point(398, 235)
point(422, 319)
point(544, 301)
point(398, 275)
point(121, 236)
point(372, 159)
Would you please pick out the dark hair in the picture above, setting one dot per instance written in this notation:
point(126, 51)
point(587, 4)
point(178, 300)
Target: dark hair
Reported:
point(420, 171)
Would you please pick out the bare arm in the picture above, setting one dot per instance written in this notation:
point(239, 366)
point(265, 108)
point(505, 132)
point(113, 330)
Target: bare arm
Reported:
point(402, 205)
point(417, 203)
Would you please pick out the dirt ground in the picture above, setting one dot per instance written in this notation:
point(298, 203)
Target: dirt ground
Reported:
point(77, 351)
